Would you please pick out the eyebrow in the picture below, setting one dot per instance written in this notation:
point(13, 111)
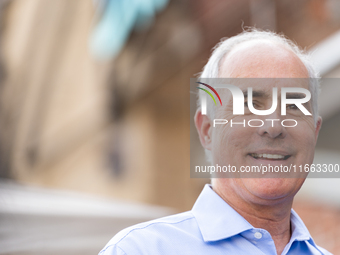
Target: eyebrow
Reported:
point(295, 95)
point(263, 94)
point(256, 93)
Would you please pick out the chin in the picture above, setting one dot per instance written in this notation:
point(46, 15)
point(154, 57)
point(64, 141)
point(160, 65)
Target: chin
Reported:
point(272, 188)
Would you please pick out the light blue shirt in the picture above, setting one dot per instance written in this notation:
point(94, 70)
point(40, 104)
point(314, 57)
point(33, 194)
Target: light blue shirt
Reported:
point(212, 227)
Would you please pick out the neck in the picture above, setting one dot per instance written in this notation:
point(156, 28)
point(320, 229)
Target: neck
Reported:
point(273, 217)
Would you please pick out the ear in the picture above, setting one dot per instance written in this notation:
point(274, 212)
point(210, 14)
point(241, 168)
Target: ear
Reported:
point(204, 129)
point(318, 126)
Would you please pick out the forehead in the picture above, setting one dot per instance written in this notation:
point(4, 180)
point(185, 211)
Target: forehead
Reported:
point(262, 87)
point(262, 59)
point(267, 84)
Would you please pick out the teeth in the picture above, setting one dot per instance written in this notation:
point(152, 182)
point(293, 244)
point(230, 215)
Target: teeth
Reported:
point(270, 156)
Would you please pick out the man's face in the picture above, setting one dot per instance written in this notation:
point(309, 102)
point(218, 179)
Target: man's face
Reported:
point(272, 143)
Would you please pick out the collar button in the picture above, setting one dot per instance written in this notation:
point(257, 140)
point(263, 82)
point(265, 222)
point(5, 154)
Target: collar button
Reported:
point(258, 235)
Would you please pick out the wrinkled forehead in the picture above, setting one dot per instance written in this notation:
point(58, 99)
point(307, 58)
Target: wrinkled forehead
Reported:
point(260, 86)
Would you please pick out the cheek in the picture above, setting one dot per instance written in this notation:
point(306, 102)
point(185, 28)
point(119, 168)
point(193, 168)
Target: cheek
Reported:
point(230, 142)
point(304, 135)
point(221, 142)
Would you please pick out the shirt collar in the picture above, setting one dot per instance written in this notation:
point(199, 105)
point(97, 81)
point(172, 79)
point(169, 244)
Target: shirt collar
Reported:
point(217, 220)
point(299, 230)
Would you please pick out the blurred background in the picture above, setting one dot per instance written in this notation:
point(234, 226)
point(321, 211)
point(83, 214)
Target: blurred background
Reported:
point(94, 113)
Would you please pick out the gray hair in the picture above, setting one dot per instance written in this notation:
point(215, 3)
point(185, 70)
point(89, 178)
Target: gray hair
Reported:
point(222, 49)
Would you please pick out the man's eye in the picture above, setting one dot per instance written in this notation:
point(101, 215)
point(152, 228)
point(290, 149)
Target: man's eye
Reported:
point(292, 107)
point(255, 105)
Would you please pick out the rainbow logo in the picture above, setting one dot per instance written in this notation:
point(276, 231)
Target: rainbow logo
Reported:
point(209, 92)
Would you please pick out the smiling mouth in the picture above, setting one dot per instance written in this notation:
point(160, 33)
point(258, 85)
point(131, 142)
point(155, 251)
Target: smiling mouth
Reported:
point(269, 156)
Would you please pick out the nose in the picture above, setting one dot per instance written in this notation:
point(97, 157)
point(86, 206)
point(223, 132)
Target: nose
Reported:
point(272, 127)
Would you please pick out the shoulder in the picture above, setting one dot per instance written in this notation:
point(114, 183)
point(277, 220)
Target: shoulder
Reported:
point(145, 235)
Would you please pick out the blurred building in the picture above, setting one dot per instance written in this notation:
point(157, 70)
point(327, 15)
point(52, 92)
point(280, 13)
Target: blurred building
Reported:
point(50, 222)
point(318, 202)
point(120, 127)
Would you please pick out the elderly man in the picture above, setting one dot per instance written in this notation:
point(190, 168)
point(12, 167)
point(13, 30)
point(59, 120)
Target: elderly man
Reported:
point(243, 215)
